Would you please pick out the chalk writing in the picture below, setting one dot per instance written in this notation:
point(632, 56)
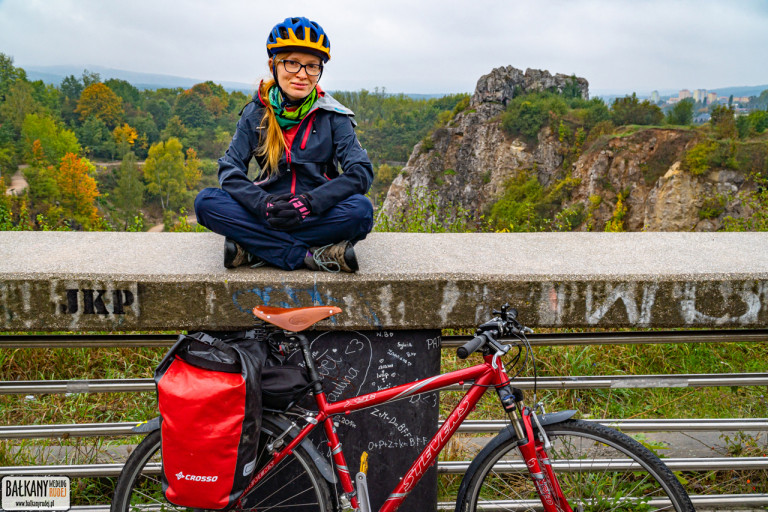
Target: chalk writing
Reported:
point(398, 426)
point(399, 357)
point(413, 442)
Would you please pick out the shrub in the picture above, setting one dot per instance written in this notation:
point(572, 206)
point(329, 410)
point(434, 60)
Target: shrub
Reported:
point(527, 114)
point(630, 110)
point(697, 160)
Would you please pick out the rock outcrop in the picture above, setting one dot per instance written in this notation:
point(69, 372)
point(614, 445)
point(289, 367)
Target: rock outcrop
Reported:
point(470, 161)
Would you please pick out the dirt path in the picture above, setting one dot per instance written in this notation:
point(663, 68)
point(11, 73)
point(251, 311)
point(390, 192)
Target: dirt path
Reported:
point(157, 228)
point(18, 183)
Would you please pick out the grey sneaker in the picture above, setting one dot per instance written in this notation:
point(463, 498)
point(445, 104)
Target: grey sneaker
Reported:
point(338, 257)
point(235, 255)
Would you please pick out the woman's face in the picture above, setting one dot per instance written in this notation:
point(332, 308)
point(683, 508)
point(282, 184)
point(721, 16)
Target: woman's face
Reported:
point(297, 86)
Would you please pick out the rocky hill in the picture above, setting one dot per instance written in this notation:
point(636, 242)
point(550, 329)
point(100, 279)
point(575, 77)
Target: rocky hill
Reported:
point(471, 162)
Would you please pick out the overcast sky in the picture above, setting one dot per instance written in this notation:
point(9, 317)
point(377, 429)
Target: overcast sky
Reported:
point(413, 46)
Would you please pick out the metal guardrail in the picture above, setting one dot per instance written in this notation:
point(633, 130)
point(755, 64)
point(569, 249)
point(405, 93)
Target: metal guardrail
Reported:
point(32, 387)
point(445, 467)
point(473, 426)
point(468, 427)
point(599, 338)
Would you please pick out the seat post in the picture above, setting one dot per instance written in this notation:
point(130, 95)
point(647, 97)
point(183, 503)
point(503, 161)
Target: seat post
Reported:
point(317, 387)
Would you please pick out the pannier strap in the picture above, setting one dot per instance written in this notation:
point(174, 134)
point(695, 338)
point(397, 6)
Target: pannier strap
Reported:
point(295, 319)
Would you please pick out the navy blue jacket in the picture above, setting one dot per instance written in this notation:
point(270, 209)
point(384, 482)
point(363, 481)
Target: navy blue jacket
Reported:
point(325, 139)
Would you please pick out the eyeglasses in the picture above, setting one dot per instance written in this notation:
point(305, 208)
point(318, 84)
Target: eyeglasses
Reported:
point(291, 66)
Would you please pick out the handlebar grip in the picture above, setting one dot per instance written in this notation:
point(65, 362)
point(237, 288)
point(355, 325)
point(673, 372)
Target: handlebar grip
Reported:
point(470, 346)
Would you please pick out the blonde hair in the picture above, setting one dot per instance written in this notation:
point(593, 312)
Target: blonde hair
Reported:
point(272, 144)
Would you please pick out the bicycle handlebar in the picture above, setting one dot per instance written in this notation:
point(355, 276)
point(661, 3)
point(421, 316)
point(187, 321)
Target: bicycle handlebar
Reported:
point(470, 346)
point(504, 324)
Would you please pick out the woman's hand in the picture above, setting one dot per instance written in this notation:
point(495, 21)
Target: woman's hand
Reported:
point(287, 213)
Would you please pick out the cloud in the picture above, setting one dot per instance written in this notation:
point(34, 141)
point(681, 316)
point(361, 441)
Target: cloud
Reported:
point(424, 46)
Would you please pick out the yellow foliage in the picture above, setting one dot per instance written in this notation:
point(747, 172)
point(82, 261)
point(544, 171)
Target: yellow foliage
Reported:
point(78, 189)
point(125, 135)
point(98, 100)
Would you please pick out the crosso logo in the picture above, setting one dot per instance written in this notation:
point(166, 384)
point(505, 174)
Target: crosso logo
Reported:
point(196, 478)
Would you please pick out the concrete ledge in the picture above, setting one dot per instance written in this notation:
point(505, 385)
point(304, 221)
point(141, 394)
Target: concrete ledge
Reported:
point(172, 281)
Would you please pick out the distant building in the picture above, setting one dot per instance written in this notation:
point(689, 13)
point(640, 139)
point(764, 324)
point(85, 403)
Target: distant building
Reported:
point(702, 118)
point(655, 98)
point(699, 95)
point(684, 93)
point(711, 97)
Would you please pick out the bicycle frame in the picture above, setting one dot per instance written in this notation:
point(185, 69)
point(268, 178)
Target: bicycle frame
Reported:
point(489, 374)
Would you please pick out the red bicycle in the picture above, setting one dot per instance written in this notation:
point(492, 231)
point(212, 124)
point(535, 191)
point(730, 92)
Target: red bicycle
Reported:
point(541, 461)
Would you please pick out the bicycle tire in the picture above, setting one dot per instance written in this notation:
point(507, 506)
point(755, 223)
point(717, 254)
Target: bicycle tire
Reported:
point(498, 479)
point(301, 486)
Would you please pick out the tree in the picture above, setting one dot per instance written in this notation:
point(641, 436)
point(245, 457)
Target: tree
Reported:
point(681, 113)
point(55, 141)
point(96, 138)
point(125, 137)
point(98, 100)
point(129, 192)
point(90, 78)
point(723, 121)
point(78, 190)
point(630, 110)
point(71, 88)
point(9, 74)
point(165, 173)
point(127, 92)
point(18, 103)
point(192, 171)
point(191, 109)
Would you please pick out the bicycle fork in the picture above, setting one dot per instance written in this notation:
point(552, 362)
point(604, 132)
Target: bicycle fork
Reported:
point(533, 450)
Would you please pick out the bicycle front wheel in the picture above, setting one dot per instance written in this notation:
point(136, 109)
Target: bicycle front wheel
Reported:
point(293, 485)
point(598, 469)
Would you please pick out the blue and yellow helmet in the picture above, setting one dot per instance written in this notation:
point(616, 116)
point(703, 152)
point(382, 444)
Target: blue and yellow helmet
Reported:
point(299, 35)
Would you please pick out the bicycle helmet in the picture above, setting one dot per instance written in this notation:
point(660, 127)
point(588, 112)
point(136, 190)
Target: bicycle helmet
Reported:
point(299, 35)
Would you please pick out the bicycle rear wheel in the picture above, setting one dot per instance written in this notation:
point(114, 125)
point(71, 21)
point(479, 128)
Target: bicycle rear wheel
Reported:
point(599, 469)
point(293, 485)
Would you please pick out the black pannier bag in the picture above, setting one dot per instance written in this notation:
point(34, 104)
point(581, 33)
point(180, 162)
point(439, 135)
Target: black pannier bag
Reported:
point(282, 384)
point(210, 402)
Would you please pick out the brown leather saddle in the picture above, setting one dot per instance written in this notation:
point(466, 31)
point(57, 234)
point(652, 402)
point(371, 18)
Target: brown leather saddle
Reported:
point(295, 319)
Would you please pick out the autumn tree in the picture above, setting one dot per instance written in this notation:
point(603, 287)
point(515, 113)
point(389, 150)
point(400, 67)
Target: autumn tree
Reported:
point(78, 190)
point(164, 171)
point(98, 100)
point(125, 137)
point(55, 140)
point(129, 192)
point(192, 170)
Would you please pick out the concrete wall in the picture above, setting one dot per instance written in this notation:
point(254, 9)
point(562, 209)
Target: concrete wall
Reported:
point(173, 281)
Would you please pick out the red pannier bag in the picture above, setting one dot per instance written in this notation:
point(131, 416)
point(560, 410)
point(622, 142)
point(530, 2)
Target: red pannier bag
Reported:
point(210, 402)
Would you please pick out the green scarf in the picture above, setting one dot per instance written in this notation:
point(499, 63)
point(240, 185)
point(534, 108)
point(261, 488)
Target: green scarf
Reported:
point(290, 118)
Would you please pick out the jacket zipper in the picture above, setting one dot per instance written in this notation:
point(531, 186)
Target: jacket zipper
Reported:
point(311, 117)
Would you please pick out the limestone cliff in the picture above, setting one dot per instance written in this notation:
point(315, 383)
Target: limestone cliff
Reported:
point(470, 161)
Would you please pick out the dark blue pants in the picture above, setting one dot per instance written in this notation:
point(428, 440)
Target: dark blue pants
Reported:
point(351, 219)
